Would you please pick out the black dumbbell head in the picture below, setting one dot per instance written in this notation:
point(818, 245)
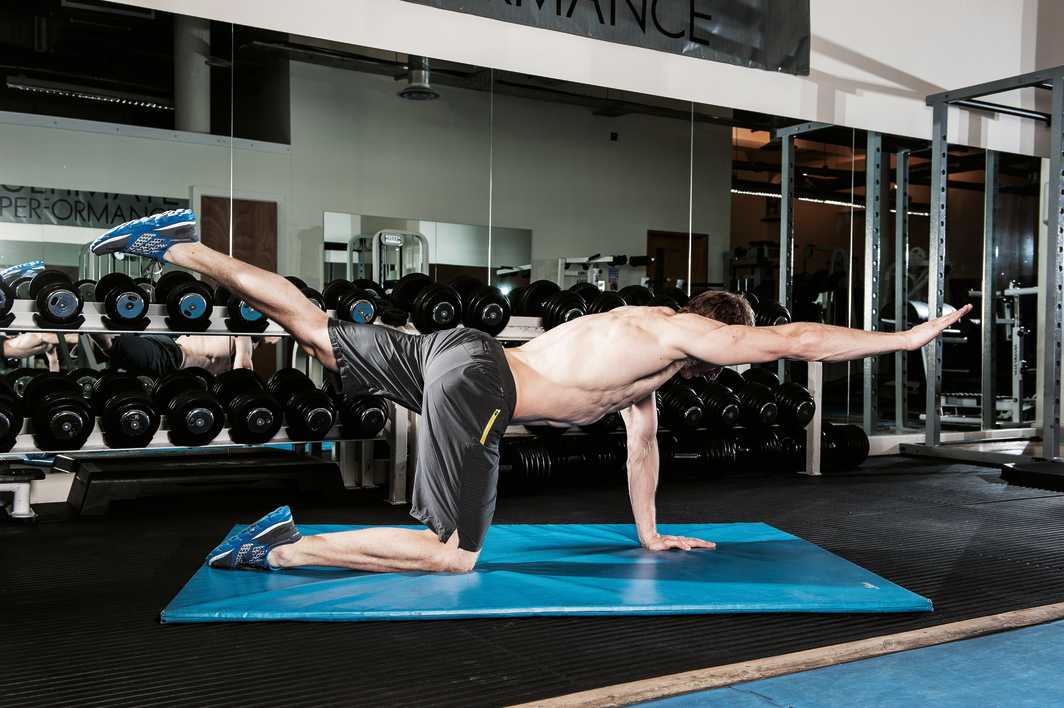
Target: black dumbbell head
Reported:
point(586, 290)
point(363, 417)
point(123, 300)
point(636, 295)
point(561, 307)
point(86, 287)
point(236, 381)
point(189, 305)
point(194, 414)
point(62, 418)
point(333, 290)
point(167, 281)
point(19, 378)
point(296, 281)
point(109, 282)
point(85, 378)
point(367, 284)
point(408, 288)
point(357, 306)
point(128, 418)
point(55, 297)
point(763, 376)
point(730, 378)
point(11, 416)
point(314, 296)
point(485, 308)
point(535, 296)
point(435, 308)
point(604, 302)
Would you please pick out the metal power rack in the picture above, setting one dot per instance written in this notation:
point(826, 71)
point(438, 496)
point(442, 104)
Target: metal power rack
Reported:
point(1051, 263)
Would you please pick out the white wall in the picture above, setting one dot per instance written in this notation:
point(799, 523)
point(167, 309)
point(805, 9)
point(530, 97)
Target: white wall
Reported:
point(359, 149)
point(872, 63)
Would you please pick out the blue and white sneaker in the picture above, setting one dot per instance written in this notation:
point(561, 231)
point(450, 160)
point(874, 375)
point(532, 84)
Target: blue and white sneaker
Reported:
point(249, 548)
point(150, 236)
point(22, 270)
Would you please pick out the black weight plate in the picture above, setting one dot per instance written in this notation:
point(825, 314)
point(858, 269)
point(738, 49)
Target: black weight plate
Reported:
point(436, 307)
point(605, 302)
point(7, 298)
point(47, 277)
point(85, 378)
point(357, 306)
point(636, 295)
point(58, 302)
point(535, 297)
point(232, 383)
point(167, 281)
point(762, 376)
point(466, 285)
point(109, 282)
point(240, 311)
point(486, 309)
point(20, 378)
point(367, 284)
point(190, 306)
point(665, 301)
point(86, 287)
point(202, 374)
point(49, 382)
point(126, 303)
point(675, 293)
point(169, 386)
point(333, 290)
point(21, 286)
point(195, 418)
point(408, 288)
point(222, 295)
point(586, 290)
point(287, 381)
point(296, 281)
point(562, 307)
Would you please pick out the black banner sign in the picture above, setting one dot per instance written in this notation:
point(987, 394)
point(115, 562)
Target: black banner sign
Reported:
point(70, 207)
point(762, 34)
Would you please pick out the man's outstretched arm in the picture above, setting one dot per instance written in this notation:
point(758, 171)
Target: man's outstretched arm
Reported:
point(641, 422)
point(712, 342)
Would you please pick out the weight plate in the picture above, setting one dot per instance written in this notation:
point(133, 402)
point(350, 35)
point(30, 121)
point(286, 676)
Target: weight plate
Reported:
point(58, 302)
point(235, 382)
point(169, 280)
point(604, 302)
point(110, 282)
point(21, 286)
point(296, 281)
point(367, 284)
point(222, 295)
point(47, 277)
point(408, 288)
point(636, 295)
point(333, 290)
point(436, 308)
point(586, 290)
point(533, 299)
point(85, 378)
point(126, 303)
point(20, 378)
point(315, 297)
point(86, 287)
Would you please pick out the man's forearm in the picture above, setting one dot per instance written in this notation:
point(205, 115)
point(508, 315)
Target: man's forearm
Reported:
point(820, 342)
point(643, 485)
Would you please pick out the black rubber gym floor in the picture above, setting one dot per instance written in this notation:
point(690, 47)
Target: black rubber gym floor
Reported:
point(79, 600)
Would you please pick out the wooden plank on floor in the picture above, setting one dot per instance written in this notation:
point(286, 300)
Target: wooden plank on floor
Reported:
point(720, 676)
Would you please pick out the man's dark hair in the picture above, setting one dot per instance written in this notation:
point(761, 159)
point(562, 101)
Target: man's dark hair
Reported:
point(722, 306)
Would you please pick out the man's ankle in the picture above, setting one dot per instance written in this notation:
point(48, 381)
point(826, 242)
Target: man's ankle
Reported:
point(178, 253)
point(282, 556)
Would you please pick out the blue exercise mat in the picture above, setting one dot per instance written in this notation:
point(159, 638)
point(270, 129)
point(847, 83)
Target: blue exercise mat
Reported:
point(561, 569)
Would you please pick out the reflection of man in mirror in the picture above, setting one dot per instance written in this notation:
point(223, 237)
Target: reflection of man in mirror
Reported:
point(468, 389)
point(30, 344)
point(159, 354)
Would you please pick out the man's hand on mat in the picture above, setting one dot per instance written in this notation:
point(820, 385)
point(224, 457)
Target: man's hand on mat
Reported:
point(921, 334)
point(659, 542)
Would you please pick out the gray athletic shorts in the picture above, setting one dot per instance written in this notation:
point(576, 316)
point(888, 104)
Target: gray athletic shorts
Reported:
point(460, 383)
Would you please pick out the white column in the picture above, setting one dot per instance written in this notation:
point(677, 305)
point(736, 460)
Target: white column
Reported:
point(192, 75)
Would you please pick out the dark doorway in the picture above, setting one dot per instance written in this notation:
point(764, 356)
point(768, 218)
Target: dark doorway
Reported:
point(669, 250)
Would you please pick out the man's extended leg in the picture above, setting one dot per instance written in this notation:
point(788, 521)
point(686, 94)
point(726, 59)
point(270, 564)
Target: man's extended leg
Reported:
point(269, 293)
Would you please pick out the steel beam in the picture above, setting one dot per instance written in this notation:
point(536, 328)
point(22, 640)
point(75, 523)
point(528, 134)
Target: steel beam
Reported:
point(1002, 109)
point(1053, 273)
point(798, 129)
point(986, 315)
point(1039, 79)
point(787, 204)
point(936, 266)
point(901, 281)
point(875, 177)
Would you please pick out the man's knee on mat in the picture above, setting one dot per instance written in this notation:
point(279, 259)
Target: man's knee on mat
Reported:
point(449, 558)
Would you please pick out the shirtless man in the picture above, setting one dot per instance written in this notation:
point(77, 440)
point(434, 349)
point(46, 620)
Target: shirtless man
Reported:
point(159, 354)
point(468, 389)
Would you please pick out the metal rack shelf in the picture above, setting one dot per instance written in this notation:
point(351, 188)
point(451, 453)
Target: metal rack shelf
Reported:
point(519, 328)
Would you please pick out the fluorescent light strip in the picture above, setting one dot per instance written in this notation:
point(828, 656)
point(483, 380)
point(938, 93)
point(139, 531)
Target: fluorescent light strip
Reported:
point(813, 200)
point(52, 88)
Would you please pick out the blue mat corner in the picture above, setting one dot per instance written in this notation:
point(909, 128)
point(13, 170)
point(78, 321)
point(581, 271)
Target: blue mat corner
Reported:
point(561, 569)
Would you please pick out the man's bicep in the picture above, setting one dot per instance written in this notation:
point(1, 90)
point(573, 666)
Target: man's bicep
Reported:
point(737, 344)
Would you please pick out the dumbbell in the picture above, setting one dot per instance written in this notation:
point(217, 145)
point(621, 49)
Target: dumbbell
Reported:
point(432, 306)
point(309, 413)
point(636, 295)
point(561, 307)
point(128, 418)
point(242, 316)
point(20, 378)
point(588, 291)
point(529, 300)
point(254, 415)
point(85, 378)
point(147, 285)
point(7, 301)
point(757, 404)
point(604, 302)
point(62, 418)
point(721, 405)
point(579, 459)
point(125, 303)
point(86, 287)
point(760, 449)
point(845, 446)
point(524, 465)
point(57, 302)
point(11, 418)
point(703, 455)
point(666, 301)
point(351, 303)
point(680, 406)
point(795, 404)
point(363, 417)
point(188, 302)
point(769, 314)
point(483, 307)
point(194, 416)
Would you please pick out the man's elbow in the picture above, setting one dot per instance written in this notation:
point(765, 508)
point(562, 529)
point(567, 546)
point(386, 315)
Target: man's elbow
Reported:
point(804, 343)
